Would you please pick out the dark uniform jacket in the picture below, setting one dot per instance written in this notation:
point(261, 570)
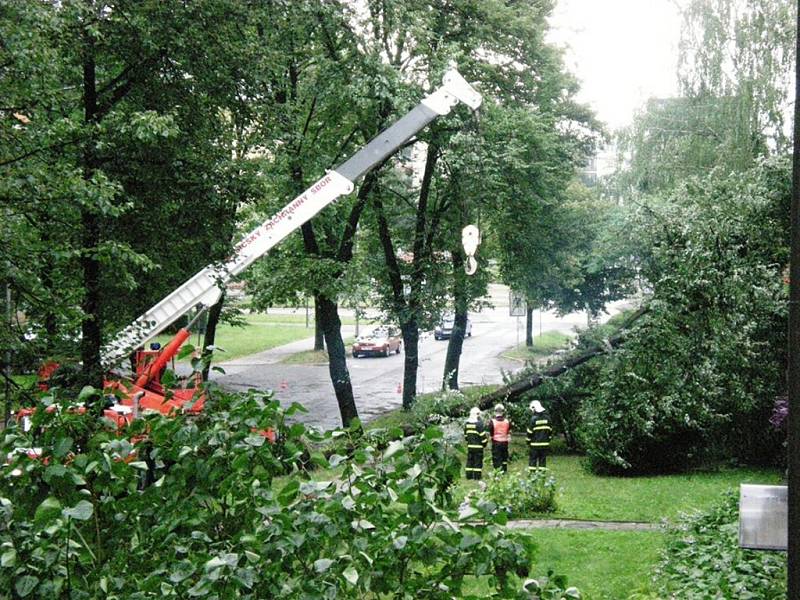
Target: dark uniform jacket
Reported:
point(539, 430)
point(475, 435)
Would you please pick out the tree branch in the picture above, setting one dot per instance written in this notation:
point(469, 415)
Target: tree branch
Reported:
point(512, 391)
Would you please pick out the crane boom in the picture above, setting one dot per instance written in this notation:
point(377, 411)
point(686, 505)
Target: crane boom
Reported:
point(206, 286)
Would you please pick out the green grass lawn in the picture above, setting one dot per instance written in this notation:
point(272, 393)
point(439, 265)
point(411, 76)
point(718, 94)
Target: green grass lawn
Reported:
point(586, 496)
point(296, 318)
point(582, 495)
point(543, 346)
point(603, 565)
point(262, 332)
point(255, 337)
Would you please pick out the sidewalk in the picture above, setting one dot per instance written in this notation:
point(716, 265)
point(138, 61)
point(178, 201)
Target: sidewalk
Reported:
point(584, 525)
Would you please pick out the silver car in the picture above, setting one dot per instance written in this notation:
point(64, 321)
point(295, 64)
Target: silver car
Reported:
point(445, 328)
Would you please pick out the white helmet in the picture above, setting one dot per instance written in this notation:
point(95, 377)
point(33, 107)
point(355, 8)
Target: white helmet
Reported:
point(499, 409)
point(474, 414)
point(536, 406)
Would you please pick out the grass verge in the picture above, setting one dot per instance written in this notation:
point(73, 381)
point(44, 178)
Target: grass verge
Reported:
point(312, 357)
point(543, 346)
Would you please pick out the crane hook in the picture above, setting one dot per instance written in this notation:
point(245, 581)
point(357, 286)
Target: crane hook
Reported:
point(470, 239)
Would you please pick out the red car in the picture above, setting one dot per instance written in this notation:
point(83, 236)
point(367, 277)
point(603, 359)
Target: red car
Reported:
point(382, 341)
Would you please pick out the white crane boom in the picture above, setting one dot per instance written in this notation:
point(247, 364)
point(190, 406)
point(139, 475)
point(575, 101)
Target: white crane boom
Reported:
point(206, 286)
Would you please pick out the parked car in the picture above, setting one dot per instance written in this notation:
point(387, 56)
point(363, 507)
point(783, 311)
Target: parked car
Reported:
point(381, 341)
point(445, 328)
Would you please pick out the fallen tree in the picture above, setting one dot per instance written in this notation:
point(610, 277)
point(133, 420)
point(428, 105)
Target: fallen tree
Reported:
point(515, 389)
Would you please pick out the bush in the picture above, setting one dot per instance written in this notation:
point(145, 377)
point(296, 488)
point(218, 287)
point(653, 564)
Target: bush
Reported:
point(522, 495)
point(697, 376)
point(703, 560)
point(216, 516)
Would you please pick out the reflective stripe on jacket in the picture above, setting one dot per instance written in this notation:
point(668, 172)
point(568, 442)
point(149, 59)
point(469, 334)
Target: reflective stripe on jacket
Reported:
point(501, 431)
point(539, 430)
point(475, 435)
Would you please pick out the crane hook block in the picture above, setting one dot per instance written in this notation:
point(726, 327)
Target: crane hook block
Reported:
point(470, 239)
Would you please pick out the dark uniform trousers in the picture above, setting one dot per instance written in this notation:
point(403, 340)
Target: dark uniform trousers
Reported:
point(475, 436)
point(538, 441)
point(500, 456)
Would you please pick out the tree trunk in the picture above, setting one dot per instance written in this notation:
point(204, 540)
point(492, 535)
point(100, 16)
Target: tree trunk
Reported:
point(91, 326)
point(319, 334)
point(512, 391)
point(337, 363)
point(210, 335)
point(528, 326)
point(410, 330)
point(456, 342)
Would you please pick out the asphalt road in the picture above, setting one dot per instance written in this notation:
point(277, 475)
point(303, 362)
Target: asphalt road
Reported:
point(377, 381)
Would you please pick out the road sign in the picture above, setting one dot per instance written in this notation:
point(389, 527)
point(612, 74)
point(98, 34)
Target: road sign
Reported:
point(516, 305)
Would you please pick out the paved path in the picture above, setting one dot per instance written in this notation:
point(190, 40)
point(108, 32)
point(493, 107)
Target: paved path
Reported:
point(574, 524)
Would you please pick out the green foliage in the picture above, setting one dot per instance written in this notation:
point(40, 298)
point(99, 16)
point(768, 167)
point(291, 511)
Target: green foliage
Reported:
point(440, 407)
point(194, 509)
point(699, 373)
point(703, 560)
point(522, 494)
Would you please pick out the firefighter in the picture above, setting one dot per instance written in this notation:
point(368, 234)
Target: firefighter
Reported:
point(538, 437)
point(475, 438)
point(500, 432)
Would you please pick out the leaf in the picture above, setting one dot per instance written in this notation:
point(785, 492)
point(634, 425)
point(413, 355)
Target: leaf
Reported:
point(322, 565)
point(82, 511)
point(335, 459)
point(295, 408)
point(25, 585)
point(288, 492)
point(297, 430)
point(87, 394)
point(138, 464)
point(62, 446)
point(183, 570)
point(319, 459)
point(255, 440)
point(47, 510)
point(400, 542)
point(9, 558)
point(186, 350)
point(351, 575)
point(394, 448)
point(467, 511)
point(433, 433)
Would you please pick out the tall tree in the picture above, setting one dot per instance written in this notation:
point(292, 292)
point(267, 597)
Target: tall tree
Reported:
point(321, 73)
point(501, 47)
point(125, 154)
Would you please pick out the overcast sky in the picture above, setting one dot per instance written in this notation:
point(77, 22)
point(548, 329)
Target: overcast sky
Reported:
point(623, 52)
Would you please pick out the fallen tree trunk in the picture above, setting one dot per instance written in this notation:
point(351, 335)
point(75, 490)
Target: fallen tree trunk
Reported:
point(512, 391)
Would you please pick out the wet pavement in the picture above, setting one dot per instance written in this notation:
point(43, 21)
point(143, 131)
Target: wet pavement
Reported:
point(377, 382)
